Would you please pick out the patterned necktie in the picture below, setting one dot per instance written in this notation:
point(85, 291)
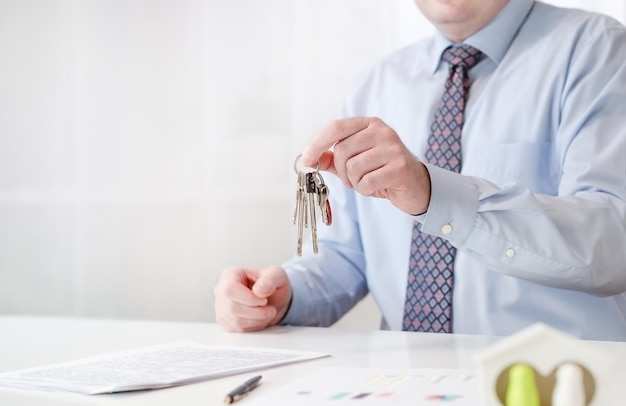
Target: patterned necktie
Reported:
point(428, 305)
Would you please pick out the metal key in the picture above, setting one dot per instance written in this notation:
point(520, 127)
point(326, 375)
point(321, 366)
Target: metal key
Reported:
point(322, 199)
point(300, 212)
point(311, 191)
point(296, 210)
point(311, 194)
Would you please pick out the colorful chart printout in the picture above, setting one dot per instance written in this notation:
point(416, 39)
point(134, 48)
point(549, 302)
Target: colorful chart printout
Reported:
point(364, 387)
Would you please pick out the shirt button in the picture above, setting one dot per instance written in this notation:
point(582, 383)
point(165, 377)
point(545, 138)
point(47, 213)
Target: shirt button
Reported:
point(510, 253)
point(446, 229)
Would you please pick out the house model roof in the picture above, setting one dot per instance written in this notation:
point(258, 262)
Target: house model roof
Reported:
point(544, 349)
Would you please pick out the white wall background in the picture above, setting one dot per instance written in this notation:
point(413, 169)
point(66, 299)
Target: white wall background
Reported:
point(147, 144)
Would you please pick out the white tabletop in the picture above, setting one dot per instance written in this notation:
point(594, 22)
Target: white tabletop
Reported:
point(32, 341)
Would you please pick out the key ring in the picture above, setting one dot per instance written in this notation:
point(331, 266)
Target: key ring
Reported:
point(295, 165)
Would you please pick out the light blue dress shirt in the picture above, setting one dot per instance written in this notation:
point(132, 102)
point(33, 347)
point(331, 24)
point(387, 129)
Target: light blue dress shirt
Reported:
point(538, 212)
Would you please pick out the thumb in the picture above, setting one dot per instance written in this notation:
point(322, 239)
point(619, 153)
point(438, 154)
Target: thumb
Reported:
point(325, 161)
point(269, 281)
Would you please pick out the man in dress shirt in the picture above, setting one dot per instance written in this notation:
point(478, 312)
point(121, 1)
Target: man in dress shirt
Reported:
point(537, 213)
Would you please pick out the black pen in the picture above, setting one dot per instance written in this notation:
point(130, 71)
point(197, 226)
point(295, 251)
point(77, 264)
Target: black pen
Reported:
point(242, 390)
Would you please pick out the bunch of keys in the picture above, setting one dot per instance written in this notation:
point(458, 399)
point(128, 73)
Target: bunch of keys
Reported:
point(312, 193)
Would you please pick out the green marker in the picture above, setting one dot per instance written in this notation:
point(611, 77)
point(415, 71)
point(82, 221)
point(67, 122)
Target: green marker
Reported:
point(522, 389)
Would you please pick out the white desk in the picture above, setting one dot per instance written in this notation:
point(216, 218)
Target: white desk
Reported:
point(27, 342)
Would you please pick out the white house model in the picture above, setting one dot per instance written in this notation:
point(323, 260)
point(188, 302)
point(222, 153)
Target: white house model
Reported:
point(544, 349)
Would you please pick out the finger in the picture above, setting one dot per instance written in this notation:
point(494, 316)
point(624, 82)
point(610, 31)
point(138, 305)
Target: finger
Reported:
point(233, 311)
point(333, 133)
point(352, 156)
point(235, 285)
point(270, 279)
point(375, 181)
point(376, 167)
point(241, 327)
point(240, 324)
point(234, 316)
point(327, 162)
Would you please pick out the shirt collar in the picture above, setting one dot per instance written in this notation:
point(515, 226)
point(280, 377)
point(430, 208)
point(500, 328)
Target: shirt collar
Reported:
point(494, 39)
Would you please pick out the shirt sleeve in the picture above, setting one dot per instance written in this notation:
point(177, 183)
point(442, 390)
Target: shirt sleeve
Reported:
point(577, 239)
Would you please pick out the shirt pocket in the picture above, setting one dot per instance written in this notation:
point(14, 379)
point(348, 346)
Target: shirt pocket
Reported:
point(525, 163)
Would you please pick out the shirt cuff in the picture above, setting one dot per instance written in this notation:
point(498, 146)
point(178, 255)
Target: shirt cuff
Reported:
point(453, 206)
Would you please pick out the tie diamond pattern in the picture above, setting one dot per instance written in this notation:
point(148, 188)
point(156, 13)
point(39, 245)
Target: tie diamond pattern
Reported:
point(428, 305)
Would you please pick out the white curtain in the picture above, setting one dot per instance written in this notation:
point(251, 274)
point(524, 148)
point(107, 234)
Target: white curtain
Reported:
point(147, 144)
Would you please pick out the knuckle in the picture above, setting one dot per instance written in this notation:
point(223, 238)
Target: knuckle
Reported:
point(227, 290)
point(387, 132)
point(351, 166)
point(376, 122)
point(366, 186)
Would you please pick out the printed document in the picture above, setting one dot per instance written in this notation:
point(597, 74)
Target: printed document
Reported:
point(151, 368)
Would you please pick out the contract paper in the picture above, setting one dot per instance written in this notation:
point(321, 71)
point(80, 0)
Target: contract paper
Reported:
point(151, 368)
